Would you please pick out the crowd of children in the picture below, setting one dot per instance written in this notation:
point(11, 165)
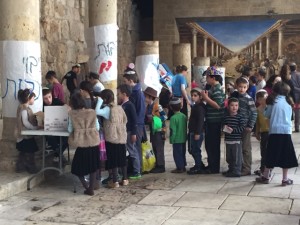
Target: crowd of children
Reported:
point(103, 131)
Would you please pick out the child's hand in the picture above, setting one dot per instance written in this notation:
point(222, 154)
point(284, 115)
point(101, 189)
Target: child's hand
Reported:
point(133, 138)
point(197, 137)
point(204, 95)
point(257, 136)
point(248, 129)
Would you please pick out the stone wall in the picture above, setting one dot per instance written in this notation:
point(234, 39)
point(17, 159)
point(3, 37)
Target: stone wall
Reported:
point(63, 23)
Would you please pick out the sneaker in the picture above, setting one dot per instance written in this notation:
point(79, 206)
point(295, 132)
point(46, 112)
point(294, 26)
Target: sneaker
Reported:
point(287, 182)
point(136, 176)
point(262, 180)
point(111, 184)
point(106, 180)
point(124, 182)
point(158, 169)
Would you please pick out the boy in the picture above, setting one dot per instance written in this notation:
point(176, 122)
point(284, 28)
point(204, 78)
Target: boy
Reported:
point(53, 141)
point(156, 131)
point(261, 83)
point(138, 99)
point(57, 88)
point(178, 128)
point(249, 113)
point(234, 124)
point(196, 128)
point(123, 93)
point(262, 129)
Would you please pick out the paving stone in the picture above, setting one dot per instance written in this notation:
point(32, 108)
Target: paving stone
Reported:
point(18, 222)
point(295, 210)
point(237, 188)
point(211, 186)
point(192, 216)
point(142, 214)
point(271, 190)
point(82, 212)
point(158, 197)
point(250, 218)
point(201, 200)
point(295, 192)
point(277, 178)
point(257, 204)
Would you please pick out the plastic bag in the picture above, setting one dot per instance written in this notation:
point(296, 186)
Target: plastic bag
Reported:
point(148, 157)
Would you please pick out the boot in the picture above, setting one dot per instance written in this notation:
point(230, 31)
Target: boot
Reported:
point(30, 164)
point(90, 190)
point(84, 183)
point(20, 164)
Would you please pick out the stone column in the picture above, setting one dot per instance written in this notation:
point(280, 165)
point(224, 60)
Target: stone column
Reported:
point(260, 49)
point(182, 56)
point(102, 41)
point(194, 32)
point(20, 64)
point(280, 40)
point(217, 50)
point(268, 46)
point(205, 46)
point(212, 48)
point(146, 63)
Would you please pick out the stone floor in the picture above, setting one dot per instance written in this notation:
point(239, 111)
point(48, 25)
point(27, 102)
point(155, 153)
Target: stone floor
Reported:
point(166, 199)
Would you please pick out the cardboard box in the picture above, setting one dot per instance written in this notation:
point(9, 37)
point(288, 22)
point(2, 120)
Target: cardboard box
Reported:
point(56, 118)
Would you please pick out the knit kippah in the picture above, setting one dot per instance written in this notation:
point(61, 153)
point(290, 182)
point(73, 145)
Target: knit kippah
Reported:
point(175, 101)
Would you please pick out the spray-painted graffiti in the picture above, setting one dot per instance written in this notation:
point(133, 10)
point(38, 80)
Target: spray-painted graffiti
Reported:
point(105, 66)
point(107, 48)
point(11, 85)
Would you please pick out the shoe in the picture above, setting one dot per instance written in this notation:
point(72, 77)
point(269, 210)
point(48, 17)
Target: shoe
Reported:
point(287, 182)
point(208, 171)
point(196, 171)
point(136, 176)
point(111, 184)
point(262, 180)
point(231, 174)
point(258, 173)
point(88, 192)
point(246, 173)
point(178, 171)
point(158, 169)
point(124, 182)
point(225, 172)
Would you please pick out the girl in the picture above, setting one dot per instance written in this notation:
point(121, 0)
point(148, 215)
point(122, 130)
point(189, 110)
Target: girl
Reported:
point(26, 145)
point(114, 126)
point(86, 90)
point(97, 85)
point(83, 127)
point(280, 148)
point(214, 99)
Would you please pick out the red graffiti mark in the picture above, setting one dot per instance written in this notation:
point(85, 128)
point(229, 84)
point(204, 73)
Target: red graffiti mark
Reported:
point(105, 66)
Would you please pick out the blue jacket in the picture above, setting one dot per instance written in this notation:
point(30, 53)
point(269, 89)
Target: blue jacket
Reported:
point(280, 115)
point(138, 99)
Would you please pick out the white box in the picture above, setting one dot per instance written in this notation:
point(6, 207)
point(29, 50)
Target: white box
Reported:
point(56, 118)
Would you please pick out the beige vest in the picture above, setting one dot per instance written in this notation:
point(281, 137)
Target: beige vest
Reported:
point(84, 132)
point(115, 127)
point(19, 124)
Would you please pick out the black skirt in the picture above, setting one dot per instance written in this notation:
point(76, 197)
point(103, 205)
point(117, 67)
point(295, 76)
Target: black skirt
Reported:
point(27, 145)
point(85, 161)
point(116, 155)
point(281, 152)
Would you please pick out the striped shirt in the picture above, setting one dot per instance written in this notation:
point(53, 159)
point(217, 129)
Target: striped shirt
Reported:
point(217, 95)
point(247, 109)
point(237, 123)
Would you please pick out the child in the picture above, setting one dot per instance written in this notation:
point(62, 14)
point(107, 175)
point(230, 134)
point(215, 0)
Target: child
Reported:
point(123, 93)
point(57, 88)
point(83, 127)
point(86, 90)
point(280, 149)
point(26, 145)
point(53, 141)
point(97, 85)
point(138, 99)
point(214, 115)
point(262, 129)
point(249, 113)
point(178, 127)
point(157, 132)
point(196, 131)
point(114, 126)
point(234, 124)
point(261, 82)
point(252, 87)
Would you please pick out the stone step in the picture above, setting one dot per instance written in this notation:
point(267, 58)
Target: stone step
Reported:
point(12, 183)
